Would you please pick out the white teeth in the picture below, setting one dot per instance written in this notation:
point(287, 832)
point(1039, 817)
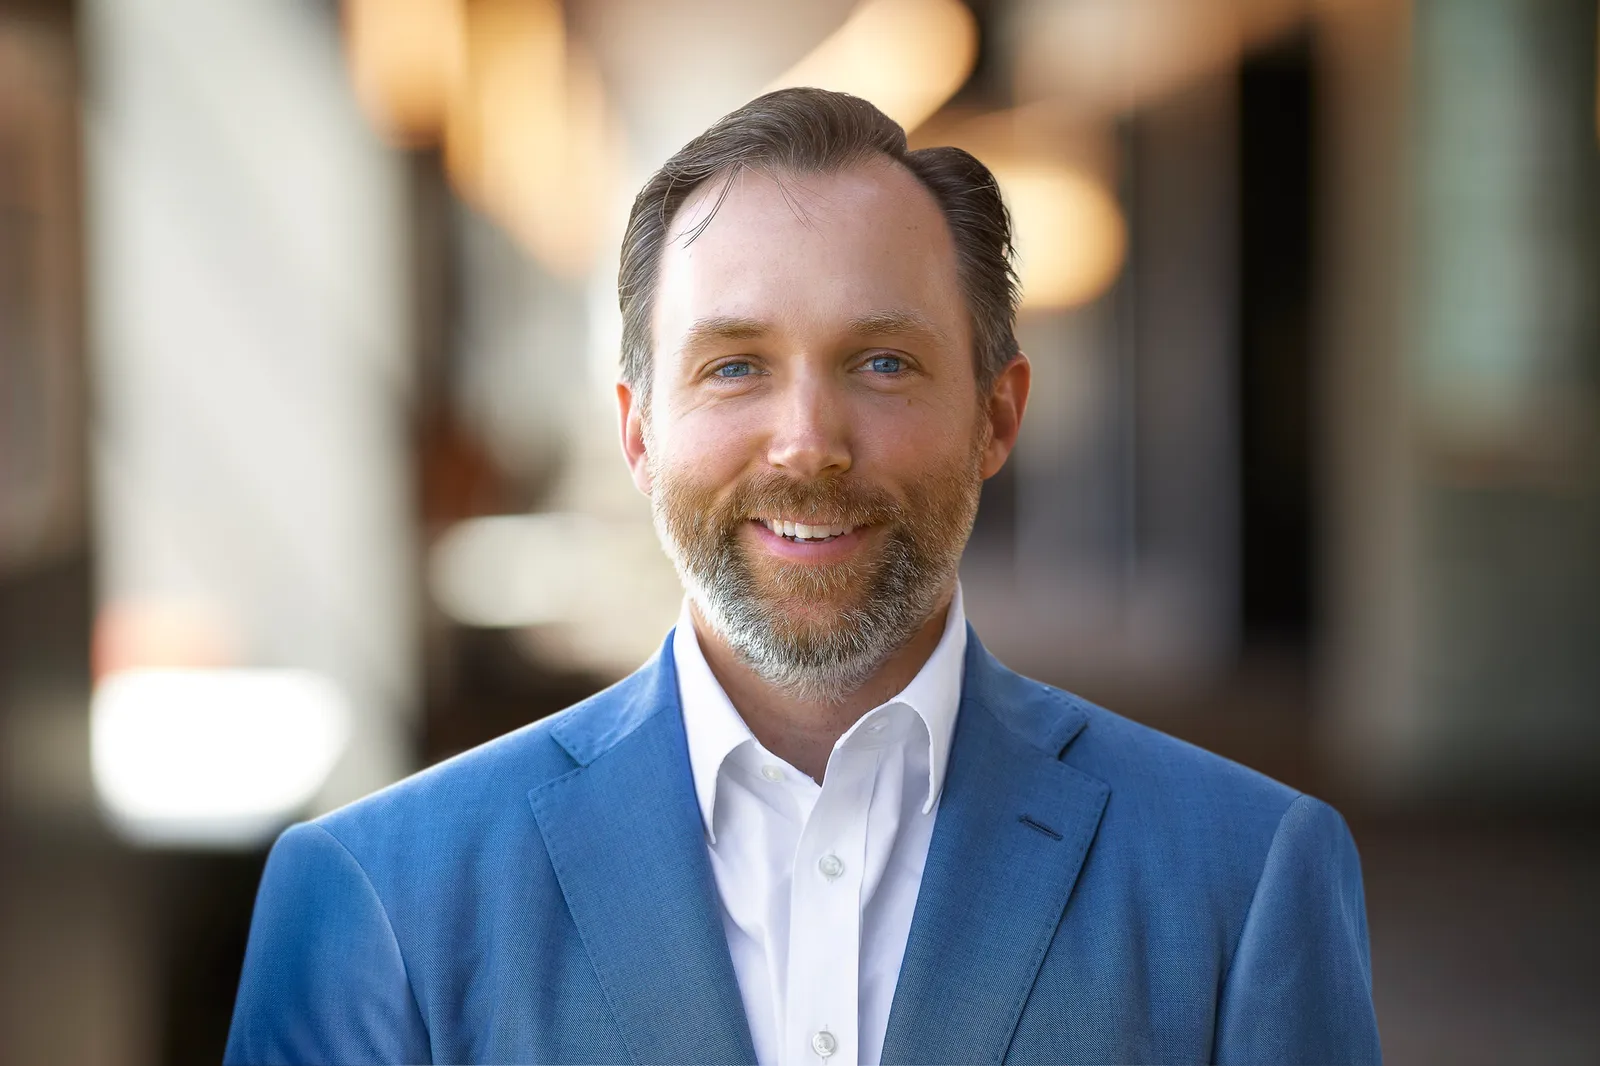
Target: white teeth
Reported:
point(802, 531)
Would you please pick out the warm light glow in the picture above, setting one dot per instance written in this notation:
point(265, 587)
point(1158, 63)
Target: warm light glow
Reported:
point(1069, 233)
point(512, 570)
point(1105, 57)
point(521, 111)
point(555, 211)
point(586, 592)
point(906, 56)
point(527, 137)
point(407, 59)
point(212, 757)
point(511, 106)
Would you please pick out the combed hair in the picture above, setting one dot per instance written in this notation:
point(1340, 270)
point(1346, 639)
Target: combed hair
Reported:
point(813, 131)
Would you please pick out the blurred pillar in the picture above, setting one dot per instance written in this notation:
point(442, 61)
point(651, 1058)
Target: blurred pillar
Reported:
point(1469, 630)
point(1364, 661)
point(1180, 332)
point(249, 352)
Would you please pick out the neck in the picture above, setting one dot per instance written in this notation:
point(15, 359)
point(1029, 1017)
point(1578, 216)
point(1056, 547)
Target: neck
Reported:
point(803, 732)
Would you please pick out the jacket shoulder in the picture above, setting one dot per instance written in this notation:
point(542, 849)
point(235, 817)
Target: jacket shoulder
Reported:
point(1136, 761)
point(1179, 794)
point(1144, 759)
point(468, 794)
point(1197, 824)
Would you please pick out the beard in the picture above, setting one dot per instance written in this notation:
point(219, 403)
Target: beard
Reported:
point(818, 632)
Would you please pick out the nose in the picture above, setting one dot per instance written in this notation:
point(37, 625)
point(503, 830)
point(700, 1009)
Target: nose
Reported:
point(811, 437)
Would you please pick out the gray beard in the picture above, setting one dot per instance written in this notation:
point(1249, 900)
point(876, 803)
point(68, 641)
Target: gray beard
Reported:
point(820, 664)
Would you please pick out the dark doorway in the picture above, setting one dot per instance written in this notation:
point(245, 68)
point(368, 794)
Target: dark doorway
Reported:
point(1276, 245)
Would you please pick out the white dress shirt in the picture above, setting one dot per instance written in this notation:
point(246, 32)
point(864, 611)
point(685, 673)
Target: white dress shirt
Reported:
point(818, 883)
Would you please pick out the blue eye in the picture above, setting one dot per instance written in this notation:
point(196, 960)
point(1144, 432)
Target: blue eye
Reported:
point(733, 370)
point(886, 364)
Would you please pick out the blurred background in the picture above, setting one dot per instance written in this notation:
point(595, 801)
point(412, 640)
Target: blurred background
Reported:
point(308, 473)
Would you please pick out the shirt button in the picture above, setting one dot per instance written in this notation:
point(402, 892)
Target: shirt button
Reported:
point(875, 727)
point(772, 773)
point(831, 866)
point(824, 1044)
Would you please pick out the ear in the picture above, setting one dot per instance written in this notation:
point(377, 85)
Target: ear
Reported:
point(630, 409)
point(1007, 400)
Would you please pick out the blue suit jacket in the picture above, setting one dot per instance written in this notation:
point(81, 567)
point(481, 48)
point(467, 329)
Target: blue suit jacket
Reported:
point(1095, 892)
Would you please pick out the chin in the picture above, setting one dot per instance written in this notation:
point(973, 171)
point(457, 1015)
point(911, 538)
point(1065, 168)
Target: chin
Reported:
point(814, 598)
point(811, 627)
point(823, 666)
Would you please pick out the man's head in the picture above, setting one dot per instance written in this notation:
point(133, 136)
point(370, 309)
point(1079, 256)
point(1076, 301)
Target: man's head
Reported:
point(817, 329)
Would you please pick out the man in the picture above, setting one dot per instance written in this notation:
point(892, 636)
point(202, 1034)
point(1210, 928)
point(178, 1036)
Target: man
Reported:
point(823, 824)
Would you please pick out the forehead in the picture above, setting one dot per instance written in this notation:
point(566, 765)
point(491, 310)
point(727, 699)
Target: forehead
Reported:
point(808, 252)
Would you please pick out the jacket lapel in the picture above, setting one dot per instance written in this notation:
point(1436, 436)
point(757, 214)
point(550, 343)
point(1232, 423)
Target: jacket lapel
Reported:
point(626, 841)
point(1014, 826)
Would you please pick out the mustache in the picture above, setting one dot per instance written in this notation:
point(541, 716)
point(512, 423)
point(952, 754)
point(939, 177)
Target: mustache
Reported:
point(831, 500)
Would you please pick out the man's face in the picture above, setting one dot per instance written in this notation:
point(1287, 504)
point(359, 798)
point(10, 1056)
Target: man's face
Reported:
point(814, 440)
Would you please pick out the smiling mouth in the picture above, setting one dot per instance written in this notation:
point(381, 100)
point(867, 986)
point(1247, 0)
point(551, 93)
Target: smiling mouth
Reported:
point(804, 533)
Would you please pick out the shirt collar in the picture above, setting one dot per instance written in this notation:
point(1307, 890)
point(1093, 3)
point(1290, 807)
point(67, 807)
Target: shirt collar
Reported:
point(713, 726)
point(715, 729)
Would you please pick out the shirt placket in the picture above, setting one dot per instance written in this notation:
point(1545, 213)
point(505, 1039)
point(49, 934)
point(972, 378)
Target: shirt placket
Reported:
point(821, 1022)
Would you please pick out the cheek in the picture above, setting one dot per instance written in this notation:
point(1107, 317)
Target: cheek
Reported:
point(915, 437)
point(708, 447)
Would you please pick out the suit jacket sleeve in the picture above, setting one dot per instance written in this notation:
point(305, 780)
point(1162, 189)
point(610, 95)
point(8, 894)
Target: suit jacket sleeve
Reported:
point(1299, 988)
point(323, 980)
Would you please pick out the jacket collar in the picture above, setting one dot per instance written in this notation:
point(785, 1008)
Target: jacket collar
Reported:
point(1014, 828)
point(623, 833)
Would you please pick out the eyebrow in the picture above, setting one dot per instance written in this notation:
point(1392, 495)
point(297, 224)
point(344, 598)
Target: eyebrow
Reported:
point(723, 328)
point(885, 323)
point(895, 323)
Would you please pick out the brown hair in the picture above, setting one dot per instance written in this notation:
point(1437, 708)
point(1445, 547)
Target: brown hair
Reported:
point(816, 131)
